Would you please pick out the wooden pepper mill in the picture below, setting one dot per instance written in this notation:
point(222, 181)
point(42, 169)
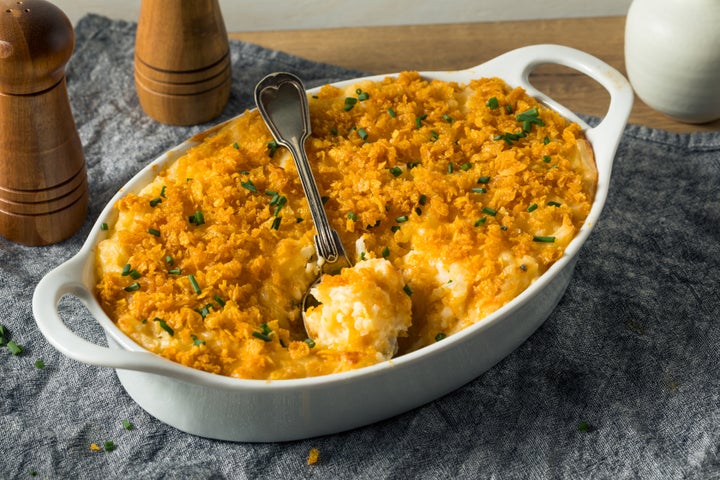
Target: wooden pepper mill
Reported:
point(182, 61)
point(43, 181)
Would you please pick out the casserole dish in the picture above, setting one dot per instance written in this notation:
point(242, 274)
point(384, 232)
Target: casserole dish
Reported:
point(234, 409)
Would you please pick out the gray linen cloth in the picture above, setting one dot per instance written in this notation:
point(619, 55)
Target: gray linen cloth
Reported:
point(620, 382)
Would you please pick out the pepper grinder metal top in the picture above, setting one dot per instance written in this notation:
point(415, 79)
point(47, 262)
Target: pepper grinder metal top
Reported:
point(182, 61)
point(43, 179)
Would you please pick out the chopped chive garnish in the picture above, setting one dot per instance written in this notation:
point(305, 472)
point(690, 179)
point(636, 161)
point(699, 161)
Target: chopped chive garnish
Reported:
point(262, 336)
point(198, 218)
point(407, 290)
point(531, 116)
point(204, 311)
point(543, 239)
point(362, 96)
point(132, 287)
point(363, 255)
point(236, 146)
point(532, 207)
point(154, 231)
point(352, 216)
point(385, 252)
point(175, 271)
point(479, 190)
point(419, 120)
point(219, 300)
point(39, 363)
point(349, 103)
point(440, 336)
point(423, 199)
point(126, 270)
point(276, 223)
point(418, 211)
point(546, 140)
point(547, 158)
point(103, 226)
point(169, 260)
point(194, 284)
point(127, 425)
point(480, 221)
point(396, 171)
point(14, 348)
point(448, 118)
point(281, 201)
point(249, 186)
point(272, 148)
point(489, 211)
point(392, 113)
point(411, 165)
point(362, 133)
point(508, 108)
point(155, 202)
point(434, 136)
point(466, 166)
point(196, 341)
point(484, 180)
point(402, 219)
point(492, 103)
point(109, 446)
point(324, 199)
point(450, 167)
point(503, 227)
point(310, 342)
point(395, 228)
point(553, 203)
point(165, 326)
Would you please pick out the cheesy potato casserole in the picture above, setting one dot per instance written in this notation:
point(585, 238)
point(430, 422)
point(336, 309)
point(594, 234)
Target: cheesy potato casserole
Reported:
point(450, 199)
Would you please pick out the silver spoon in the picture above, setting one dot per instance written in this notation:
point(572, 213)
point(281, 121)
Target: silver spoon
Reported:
point(283, 105)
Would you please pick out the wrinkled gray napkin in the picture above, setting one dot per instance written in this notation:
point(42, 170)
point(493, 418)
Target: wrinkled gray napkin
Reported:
point(620, 382)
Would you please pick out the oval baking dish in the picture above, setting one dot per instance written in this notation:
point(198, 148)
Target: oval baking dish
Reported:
point(234, 409)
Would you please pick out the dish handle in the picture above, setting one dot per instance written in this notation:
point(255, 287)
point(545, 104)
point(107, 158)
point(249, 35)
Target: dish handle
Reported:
point(65, 280)
point(516, 66)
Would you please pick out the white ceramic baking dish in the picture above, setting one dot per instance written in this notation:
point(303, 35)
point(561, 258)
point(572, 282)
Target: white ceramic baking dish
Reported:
point(227, 408)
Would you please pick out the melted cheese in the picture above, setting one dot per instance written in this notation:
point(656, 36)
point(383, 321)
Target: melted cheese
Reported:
point(434, 179)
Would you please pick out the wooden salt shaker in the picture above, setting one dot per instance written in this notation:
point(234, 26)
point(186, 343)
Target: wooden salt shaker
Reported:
point(43, 181)
point(182, 61)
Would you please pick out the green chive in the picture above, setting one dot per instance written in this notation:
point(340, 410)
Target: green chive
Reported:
point(543, 239)
point(450, 167)
point(165, 326)
point(492, 103)
point(219, 300)
point(362, 96)
point(169, 260)
point(418, 120)
point(194, 284)
point(276, 223)
point(402, 219)
point(584, 427)
point(408, 290)
point(546, 140)
point(126, 270)
point(262, 336)
point(385, 252)
point(466, 166)
point(547, 158)
point(127, 425)
point(103, 226)
point(155, 201)
point(362, 133)
point(396, 171)
point(310, 342)
point(532, 207)
point(198, 218)
point(391, 112)
point(434, 136)
point(249, 186)
point(395, 228)
point(154, 231)
point(175, 271)
point(489, 211)
point(352, 216)
point(196, 341)
point(14, 348)
point(162, 191)
point(349, 103)
point(480, 221)
point(440, 336)
point(109, 446)
point(423, 199)
point(508, 108)
point(272, 148)
point(483, 180)
point(236, 146)
point(39, 363)
point(479, 190)
point(132, 287)
point(448, 118)
point(553, 203)
point(411, 165)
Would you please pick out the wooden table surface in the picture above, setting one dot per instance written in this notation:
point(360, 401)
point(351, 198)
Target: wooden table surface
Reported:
point(456, 46)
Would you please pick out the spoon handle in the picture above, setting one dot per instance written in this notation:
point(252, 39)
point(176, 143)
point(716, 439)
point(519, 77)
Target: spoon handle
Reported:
point(283, 105)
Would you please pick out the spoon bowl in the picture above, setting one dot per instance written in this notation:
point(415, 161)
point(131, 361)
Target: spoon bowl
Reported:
point(283, 105)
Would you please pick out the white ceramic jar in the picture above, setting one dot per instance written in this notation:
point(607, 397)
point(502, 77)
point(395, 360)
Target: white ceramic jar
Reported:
point(672, 56)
